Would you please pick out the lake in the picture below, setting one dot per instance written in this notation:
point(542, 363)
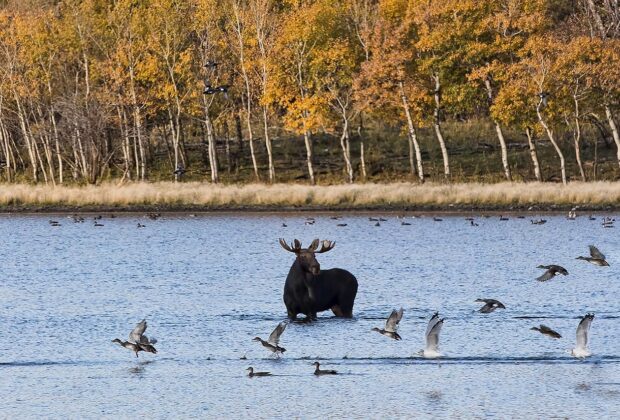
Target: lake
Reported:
point(208, 283)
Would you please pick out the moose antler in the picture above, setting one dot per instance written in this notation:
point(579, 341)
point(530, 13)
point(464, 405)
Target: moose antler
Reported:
point(314, 245)
point(326, 246)
point(295, 248)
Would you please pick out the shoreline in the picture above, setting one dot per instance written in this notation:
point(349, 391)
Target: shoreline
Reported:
point(197, 197)
point(195, 209)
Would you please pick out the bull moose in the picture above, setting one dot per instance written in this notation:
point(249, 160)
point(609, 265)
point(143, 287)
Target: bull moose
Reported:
point(309, 290)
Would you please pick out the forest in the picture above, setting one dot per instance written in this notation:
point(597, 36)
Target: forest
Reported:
point(310, 91)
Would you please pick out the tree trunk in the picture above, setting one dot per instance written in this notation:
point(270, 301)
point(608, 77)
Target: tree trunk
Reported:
point(215, 178)
point(137, 120)
point(175, 144)
point(577, 139)
point(57, 145)
point(498, 130)
point(124, 132)
point(29, 141)
point(227, 147)
point(346, 149)
point(308, 143)
point(614, 130)
point(413, 138)
point(552, 140)
point(533, 154)
point(248, 90)
point(5, 146)
point(362, 158)
point(40, 160)
point(272, 169)
point(44, 136)
point(252, 152)
point(437, 125)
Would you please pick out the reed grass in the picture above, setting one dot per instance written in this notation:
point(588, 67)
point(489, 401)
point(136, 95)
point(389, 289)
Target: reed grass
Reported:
point(290, 195)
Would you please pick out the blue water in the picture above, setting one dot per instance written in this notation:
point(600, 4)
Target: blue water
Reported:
point(208, 284)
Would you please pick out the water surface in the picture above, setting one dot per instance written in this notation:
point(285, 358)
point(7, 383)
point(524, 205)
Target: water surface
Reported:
point(208, 284)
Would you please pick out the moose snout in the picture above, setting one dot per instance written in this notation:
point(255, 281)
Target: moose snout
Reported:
point(315, 269)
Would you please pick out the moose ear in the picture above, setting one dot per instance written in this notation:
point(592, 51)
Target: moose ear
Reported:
point(314, 245)
point(297, 245)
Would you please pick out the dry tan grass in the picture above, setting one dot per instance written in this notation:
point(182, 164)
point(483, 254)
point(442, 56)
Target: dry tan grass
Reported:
point(350, 196)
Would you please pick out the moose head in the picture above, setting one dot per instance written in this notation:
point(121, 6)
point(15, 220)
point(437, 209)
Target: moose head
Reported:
point(306, 256)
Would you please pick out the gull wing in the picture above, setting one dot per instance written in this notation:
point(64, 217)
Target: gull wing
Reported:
point(392, 322)
point(549, 274)
point(274, 337)
point(136, 334)
point(595, 253)
point(583, 330)
point(431, 323)
point(432, 338)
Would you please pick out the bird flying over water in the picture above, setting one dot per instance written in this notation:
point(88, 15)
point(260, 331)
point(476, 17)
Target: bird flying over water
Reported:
point(137, 334)
point(391, 325)
point(596, 257)
point(272, 343)
point(433, 329)
point(583, 330)
point(490, 305)
point(137, 340)
point(543, 329)
point(552, 271)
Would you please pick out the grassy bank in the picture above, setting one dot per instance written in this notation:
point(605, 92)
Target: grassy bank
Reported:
point(197, 196)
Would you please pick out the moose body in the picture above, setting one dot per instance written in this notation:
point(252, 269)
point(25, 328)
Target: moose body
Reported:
point(309, 290)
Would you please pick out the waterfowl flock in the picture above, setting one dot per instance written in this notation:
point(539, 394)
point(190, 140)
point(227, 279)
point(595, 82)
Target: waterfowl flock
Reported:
point(139, 342)
point(431, 349)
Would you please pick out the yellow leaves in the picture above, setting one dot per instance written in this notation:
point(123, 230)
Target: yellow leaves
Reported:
point(305, 114)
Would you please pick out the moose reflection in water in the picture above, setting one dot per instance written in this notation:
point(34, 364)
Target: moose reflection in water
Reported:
point(309, 290)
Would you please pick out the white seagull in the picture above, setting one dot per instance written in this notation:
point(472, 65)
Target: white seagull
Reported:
point(583, 329)
point(431, 351)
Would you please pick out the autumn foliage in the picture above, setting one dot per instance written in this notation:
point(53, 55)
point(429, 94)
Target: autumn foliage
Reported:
point(98, 90)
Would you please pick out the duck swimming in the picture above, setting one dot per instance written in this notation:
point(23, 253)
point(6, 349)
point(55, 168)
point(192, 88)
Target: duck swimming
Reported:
point(391, 325)
point(596, 257)
point(274, 339)
point(538, 222)
point(319, 371)
point(252, 374)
